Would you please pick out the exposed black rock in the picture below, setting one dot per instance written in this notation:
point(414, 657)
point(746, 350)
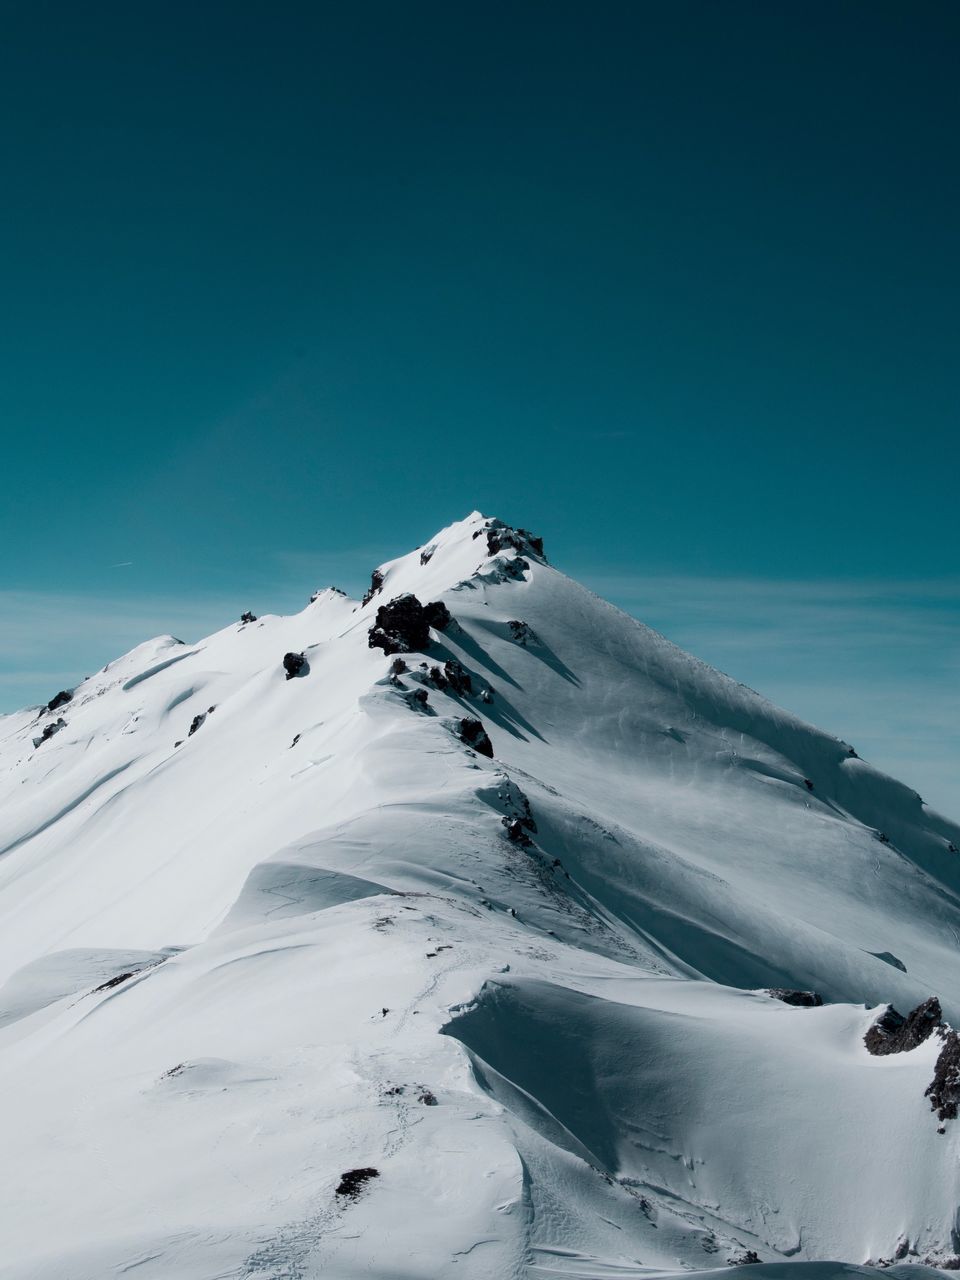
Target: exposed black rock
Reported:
point(420, 699)
point(403, 625)
point(515, 831)
point(398, 667)
point(353, 1181)
point(883, 837)
point(113, 982)
point(294, 664)
point(457, 677)
point(746, 1259)
point(49, 730)
point(196, 723)
point(853, 755)
point(426, 555)
point(376, 585)
point(522, 632)
point(501, 537)
point(248, 617)
point(60, 700)
point(894, 1033)
point(944, 1089)
point(400, 627)
point(802, 999)
point(472, 733)
point(296, 739)
point(437, 615)
point(808, 784)
point(438, 678)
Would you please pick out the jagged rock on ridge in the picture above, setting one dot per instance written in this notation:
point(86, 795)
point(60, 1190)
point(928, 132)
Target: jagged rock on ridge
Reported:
point(403, 625)
point(248, 617)
point(376, 586)
point(60, 700)
point(944, 1089)
point(437, 615)
point(501, 537)
point(472, 732)
point(894, 1033)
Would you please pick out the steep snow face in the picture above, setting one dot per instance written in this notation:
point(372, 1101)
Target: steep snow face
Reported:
point(264, 923)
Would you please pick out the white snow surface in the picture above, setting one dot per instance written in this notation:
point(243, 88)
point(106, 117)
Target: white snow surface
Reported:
point(559, 1058)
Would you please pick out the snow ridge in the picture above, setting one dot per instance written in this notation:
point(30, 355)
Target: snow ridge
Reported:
point(468, 929)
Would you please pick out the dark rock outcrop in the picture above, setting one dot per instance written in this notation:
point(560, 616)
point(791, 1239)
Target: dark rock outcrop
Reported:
point(515, 831)
point(353, 1181)
point(894, 1033)
point(60, 700)
point(403, 625)
point(248, 617)
point(294, 664)
point(944, 1089)
point(801, 999)
point(522, 632)
point(49, 731)
point(195, 723)
point(452, 676)
point(376, 585)
point(501, 537)
point(437, 615)
point(473, 734)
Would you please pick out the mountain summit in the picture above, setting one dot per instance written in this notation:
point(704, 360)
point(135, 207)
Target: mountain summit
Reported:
point(471, 929)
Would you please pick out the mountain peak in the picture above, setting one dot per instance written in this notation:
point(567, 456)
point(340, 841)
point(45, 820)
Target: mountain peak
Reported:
point(463, 551)
point(308, 918)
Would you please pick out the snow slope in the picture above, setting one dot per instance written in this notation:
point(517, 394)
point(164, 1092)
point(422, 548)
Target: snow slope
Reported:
point(239, 962)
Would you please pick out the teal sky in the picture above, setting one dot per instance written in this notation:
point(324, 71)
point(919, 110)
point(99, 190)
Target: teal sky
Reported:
point(286, 287)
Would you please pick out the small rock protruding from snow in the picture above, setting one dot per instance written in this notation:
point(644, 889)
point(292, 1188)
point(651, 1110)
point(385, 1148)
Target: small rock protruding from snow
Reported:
point(60, 700)
point(474, 735)
point(195, 723)
point(522, 632)
point(294, 664)
point(376, 586)
point(247, 617)
point(452, 676)
point(801, 999)
point(894, 1033)
point(49, 731)
point(515, 832)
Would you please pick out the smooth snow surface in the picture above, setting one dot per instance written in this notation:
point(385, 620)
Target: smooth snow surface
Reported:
point(239, 962)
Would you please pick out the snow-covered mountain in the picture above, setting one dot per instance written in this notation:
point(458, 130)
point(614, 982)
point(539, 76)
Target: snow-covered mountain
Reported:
point(435, 937)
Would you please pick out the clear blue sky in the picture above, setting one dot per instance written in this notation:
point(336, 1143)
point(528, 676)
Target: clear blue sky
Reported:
point(288, 286)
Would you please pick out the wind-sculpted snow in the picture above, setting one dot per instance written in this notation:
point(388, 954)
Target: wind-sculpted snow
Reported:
point(297, 979)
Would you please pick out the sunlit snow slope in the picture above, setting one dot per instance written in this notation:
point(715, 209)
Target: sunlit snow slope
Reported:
point(321, 933)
